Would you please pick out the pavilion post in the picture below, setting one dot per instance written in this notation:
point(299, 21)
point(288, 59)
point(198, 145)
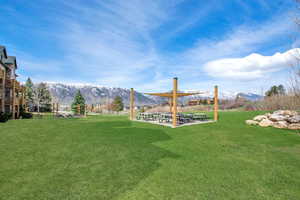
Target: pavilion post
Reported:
point(131, 104)
point(174, 114)
point(216, 106)
point(170, 104)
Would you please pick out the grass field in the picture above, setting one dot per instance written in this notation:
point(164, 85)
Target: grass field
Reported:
point(112, 158)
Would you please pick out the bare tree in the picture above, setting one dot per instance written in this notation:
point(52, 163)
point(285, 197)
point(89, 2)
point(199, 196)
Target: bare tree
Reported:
point(295, 66)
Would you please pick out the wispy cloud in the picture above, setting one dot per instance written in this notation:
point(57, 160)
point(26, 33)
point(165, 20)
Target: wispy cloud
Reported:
point(117, 43)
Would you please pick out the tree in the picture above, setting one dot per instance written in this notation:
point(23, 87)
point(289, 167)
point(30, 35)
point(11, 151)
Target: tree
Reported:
point(295, 75)
point(117, 104)
point(79, 101)
point(42, 98)
point(276, 91)
point(29, 94)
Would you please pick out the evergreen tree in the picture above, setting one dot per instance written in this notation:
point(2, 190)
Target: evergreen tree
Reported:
point(276, 90)
point(281, 90)
point(29, 94)
point(117, 104)
point(42, 98)
point(78, 101)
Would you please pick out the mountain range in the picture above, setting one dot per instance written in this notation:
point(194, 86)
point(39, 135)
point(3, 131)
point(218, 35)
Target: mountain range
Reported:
point(64, 94)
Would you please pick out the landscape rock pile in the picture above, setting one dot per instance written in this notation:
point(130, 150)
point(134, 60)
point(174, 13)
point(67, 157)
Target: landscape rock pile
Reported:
point(284, 119)
point(65, 115)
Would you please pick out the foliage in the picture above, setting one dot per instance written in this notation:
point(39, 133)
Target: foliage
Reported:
point(29, 93)
point(223, 160)
point(4, 117)
point(117, 104)
point(276, 90)
point(142, 109)
point(79, 101)
point(278, 102)
point(42, 98)
point(24, 114)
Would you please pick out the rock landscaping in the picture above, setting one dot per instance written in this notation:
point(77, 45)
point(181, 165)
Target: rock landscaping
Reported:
point(283, 119)
point(65, 115)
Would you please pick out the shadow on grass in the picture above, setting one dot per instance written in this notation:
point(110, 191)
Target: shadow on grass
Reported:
point(83, 160)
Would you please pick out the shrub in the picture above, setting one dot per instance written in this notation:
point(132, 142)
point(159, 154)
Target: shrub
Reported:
point(4, 117)
point(26, 115)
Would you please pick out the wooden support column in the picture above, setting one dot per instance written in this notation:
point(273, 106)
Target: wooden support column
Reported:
point(56, 108)
point(23, 98)
point(3, 90)
point(78, 109)
point(174, 114)
point(216, 106)
point(131, 104)
point(170, 104)
point(13, 99)
point(18, 102)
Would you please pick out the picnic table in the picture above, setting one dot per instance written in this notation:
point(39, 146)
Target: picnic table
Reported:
point(182, 118)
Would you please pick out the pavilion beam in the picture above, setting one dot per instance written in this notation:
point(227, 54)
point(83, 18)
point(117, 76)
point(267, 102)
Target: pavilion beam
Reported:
point(216, 106)
point(174, 114)
point(131, 104)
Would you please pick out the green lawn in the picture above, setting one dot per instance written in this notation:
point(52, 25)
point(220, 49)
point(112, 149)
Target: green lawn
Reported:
point(112, 158)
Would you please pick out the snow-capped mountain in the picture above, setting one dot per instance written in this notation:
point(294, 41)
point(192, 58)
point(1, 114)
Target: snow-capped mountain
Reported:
point(250, 96)
point(93, 94)
point(64, 93)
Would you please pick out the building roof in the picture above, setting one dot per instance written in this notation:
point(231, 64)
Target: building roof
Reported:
point(11, 60)
point(3, 54)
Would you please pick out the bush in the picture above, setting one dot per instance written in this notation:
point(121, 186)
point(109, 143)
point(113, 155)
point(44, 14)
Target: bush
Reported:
point(4, 117)
point(25, 115)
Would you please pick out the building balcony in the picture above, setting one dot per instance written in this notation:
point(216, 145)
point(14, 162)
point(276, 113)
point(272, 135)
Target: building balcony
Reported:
point(8, 83)
point(8, 101)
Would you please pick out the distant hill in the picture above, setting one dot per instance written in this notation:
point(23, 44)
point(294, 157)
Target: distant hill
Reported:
point(64, 93)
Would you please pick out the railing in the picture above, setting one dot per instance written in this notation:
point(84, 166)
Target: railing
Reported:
point(8, 83)
point(8, 101)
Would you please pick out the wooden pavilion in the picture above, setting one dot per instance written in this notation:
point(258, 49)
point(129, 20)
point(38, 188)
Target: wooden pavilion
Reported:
point(173, 97)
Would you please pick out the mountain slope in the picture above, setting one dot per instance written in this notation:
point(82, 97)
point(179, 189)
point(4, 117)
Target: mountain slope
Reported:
point(64, 94)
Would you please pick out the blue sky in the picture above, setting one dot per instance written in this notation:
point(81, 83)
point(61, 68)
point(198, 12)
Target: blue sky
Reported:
point(240, 45)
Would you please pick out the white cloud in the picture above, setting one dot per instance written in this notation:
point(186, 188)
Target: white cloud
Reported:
point(250, 67)
point(115, 43)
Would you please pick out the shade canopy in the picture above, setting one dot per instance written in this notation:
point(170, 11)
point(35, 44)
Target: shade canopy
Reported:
point(170, 94)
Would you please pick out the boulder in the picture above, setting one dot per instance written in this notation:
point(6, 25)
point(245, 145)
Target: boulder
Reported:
point(265, 123)
point(279, 112)
point(295, 126)
point(294, 119)
point(268, 114)
point(280, 124)
point(277, 117)
point(289, 113)
point(251, 122)
point(260, 118)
